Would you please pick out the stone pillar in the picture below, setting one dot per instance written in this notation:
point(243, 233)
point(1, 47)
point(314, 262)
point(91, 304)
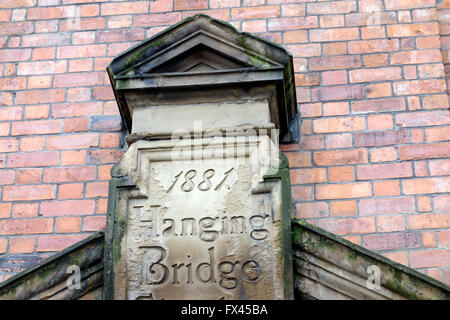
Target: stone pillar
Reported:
point(200, 205)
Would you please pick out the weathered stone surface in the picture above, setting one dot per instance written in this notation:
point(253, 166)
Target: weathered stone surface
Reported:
point(198, 225)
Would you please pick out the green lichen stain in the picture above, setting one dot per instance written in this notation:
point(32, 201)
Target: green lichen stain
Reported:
point(397, 285)
point(352, 256)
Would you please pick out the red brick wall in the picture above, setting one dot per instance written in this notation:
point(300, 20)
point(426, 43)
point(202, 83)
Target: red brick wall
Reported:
point(373, 162)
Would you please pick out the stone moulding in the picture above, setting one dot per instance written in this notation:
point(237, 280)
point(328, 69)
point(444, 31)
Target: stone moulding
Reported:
point(129, 187)
point(329, 267)
point(202, 53)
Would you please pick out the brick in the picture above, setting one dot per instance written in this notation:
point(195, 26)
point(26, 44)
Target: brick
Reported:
point(46, 39)
point(338, 93)
point(254, 26)
point(32, 143)
point(343, 191)
point(439, 167)
point(331, 7)
point(426, 185)
point(384, 171)
point(293, 10)
point(311, 210)
point(349, 225)
point(305, 50)
point(380, 122)
point(76, 125)
point(334, 49)
point(191, 5)
point(18, 193)
point(25, 226)
point(42, 67)
point(375, 60)
point(299, 159)
point(220, 14)
point(373, 32)
point(120, 35)
point(386, 206)
point(327, 125)
point(441, 203)
point(78, 141)
point(370, 19)
point(380, 105)
point(156, 19)
point(82, 109)
point(336, 62)
point(82, 24)
point(378, 90)
point(408, 4)
point(336, 141)
point(390, 223)
point(383, 154)
point(7, 176)
point(281, 24)
point(4, 129)
point(444, 239)
point(424, 204)
point(80, 65)
point(380, 138)
point(22, 245)
point(104, 156)
point(34, 159)
point(67, 224)
point(38, 82)
point(422, 15)
point(392, 241)
point(307, 79)
point(295, 36)
point(343, 208)
point(335, 108)
point(29, 176)
point(431, 71)
point(341, 34)
point(36, 127)
point(78, 79)
point(44, 53)
point(94, 223)
point(372, 46)
point(412, 30)
point(5, 210)
point(333, 21)
point(255, 13)
point(372, 75)
point(46, 26)
point(110, 140)
point(58, 243)
point(16, 28)
point(424, 151)
point(71, 191)
point(340, 157)
point(429, 258)
point(432, 42)
point(41, 13)
point(92, 50)
point(71, 157)
point(97, 189)
point(303, 192)
point(67, 208)
point(420, 169)
point(16, 83)
point(310, 110)
point(334, 77)
point(437, 101)
point(399, 257)
point(413, 103)
point(428, 221)
point(17, 3)
point(341, 174)
point(40, 96)
point(134, 7)
point(69, 174)
point(102, 206)
point(305, 176)
point(25, 210)
point(103, 93)
point(416, 56)
point(437, 134)
point(8, 145)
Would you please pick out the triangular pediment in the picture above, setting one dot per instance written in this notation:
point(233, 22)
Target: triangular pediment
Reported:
point(200, 53)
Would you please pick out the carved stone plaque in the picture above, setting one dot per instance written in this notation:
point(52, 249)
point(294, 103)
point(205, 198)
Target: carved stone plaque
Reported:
point(202, 223)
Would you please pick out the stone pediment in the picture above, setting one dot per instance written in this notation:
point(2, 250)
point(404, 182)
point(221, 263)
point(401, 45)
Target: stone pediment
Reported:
point(201, 52)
